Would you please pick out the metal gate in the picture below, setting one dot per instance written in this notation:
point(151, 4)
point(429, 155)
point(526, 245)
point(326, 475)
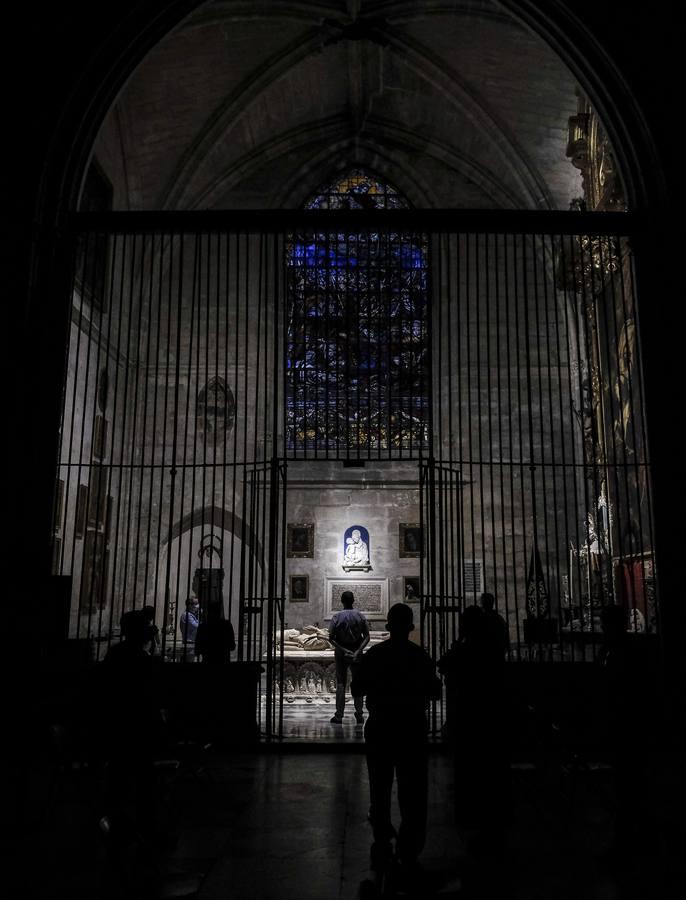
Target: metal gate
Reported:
point(262, 590)
point(173, 410)
point(499, 351)
point(445, 588)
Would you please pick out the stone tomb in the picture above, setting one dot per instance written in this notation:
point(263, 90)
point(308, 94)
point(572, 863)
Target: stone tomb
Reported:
point(309, 675)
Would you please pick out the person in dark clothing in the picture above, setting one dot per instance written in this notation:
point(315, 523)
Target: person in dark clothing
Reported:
point(152, 632)
point(397, 678)
point(476, 731)
point(132, 728)
point(143, 621)
point(215, 639)
point(349, 634)
point(494, 623)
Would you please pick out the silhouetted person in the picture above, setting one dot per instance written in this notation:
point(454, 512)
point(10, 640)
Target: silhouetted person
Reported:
point(349, 634)
point(477, 729)
point(215, 639)
point(397, 678)
point(132, 729)
point(144, 621)
point(152, 632)
point(494, 622)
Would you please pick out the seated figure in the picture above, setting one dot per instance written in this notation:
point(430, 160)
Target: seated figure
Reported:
point(356, 552)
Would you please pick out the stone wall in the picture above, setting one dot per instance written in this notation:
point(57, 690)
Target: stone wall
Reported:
point(379, 497)
point(502, 440)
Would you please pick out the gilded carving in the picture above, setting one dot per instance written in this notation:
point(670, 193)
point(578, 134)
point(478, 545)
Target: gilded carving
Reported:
point(589, 150)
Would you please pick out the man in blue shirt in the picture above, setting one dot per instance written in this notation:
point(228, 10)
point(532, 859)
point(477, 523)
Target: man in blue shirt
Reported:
point(189, 620)
point(349, 634)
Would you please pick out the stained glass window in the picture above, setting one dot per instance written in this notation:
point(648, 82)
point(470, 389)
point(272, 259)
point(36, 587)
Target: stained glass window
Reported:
point(357, 363)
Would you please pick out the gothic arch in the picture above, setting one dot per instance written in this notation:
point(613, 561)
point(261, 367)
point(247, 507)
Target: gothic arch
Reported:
point(216, 517)
point(559, 27)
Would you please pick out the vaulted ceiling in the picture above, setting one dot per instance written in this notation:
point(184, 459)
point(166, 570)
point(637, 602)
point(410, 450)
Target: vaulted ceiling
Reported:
point(254, 104)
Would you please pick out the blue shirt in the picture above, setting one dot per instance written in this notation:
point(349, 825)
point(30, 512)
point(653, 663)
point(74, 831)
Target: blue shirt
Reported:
point(348, 628)
point(189, 626)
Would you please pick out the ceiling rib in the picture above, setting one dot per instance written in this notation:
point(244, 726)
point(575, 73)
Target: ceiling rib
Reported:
point(412, 53)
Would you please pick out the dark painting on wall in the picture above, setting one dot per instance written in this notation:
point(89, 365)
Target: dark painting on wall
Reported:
point(81, 506)
point(411, 589)
point(410, 541)
point(97, 497)
point(301, 541)
point(299, 588)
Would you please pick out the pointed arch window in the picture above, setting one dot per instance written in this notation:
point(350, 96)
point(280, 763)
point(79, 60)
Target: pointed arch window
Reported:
point(358, 343)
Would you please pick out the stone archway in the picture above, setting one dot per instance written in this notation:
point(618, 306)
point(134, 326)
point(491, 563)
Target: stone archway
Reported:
point(179, 556)
point(220, 519)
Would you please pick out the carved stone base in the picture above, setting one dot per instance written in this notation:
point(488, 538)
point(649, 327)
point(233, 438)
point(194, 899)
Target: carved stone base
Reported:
point(309, 681)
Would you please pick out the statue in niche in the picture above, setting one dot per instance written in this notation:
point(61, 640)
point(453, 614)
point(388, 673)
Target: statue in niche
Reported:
point(356, 549)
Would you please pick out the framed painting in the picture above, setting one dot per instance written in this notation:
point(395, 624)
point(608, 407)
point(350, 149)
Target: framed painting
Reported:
point(409, 541)
point(299, 585)
point(411, 589)
point(300, 541)
point(81, 507)
point(97, 496)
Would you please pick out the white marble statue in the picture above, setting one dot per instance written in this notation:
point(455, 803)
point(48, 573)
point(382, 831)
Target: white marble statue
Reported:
point(356, 552)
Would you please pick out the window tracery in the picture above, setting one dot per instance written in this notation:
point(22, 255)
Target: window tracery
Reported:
point(358, 351)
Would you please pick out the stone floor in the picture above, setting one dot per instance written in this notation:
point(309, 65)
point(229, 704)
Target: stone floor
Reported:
point(292, 825)
point(313, 723)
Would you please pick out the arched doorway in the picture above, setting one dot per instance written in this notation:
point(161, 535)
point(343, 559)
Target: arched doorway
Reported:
point(198, 268)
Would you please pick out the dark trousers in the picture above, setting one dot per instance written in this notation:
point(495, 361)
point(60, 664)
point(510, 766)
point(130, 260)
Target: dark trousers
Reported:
point(343, 663)
point(408, 761)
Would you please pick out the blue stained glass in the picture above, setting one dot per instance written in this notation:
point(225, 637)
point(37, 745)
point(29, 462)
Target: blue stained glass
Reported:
point(357, 367)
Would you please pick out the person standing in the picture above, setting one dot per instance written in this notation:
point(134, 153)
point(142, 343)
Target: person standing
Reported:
point(189, 620)
point(215, 640)
point(349, 634)
point(494, 623)
point(398, 679)
point(131, 730)
point(152, 632)
point(477, 733)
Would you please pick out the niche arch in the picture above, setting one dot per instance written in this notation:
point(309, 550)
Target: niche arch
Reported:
point(179, 551)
